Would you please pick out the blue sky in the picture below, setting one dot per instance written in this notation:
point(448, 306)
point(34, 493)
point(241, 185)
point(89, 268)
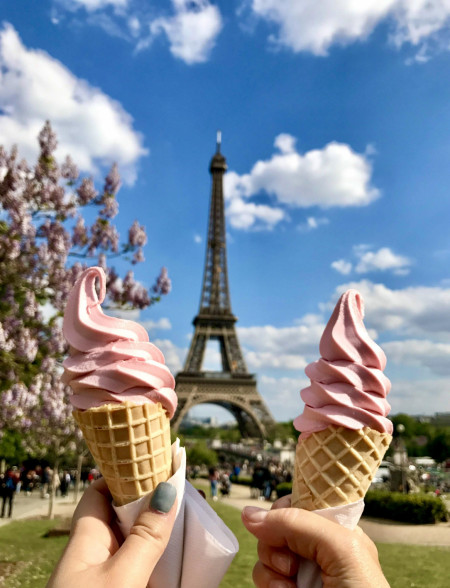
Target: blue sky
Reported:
point(336, 123)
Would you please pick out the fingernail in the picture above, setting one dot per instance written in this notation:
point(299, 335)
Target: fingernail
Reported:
point(255, 514)
point(163, 497)
point(282, 563)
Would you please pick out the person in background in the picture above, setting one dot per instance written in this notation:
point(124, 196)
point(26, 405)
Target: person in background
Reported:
point(47, 476)
point(9, 485)
point(213, 481)
point(64, 483)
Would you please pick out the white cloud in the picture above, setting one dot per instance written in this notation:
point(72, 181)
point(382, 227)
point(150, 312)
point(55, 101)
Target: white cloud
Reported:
point(191, 28)
point(161, 324)
point(416, 311)
point(198, 238)
point(417, 20)
point(332, 176)
point(173, 355)
point(131, 314)
point(246, 215)
point(420, 397)
point(374, 261)
point(191, 31)
point(282, 395)
point(312, 223)
point(432, 355)
point(382, 260)
point(307, 25)
point(257, 360)
point(342, 266)
point(134, 314)
point(91, 126)
point(286, 348)
point(212, 359)
point(92, 5)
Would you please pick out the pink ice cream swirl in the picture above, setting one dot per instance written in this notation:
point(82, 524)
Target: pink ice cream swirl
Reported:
point(348, 387)
point(110, 360)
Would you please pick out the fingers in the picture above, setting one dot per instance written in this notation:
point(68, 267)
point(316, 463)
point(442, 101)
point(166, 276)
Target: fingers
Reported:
point(368, 543)
point(92, 537)
point(96, 501)
point(283, 502)
point(305, 533)
point(135, 561)
point(280, 560)
point(264, 577)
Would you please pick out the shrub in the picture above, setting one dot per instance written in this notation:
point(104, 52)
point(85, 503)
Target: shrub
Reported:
point(418, 509)
point(241, 480)
point(283, 489)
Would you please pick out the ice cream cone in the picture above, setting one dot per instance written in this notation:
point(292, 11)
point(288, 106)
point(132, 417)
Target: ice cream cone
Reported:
point(131, 446)
point(336, 465)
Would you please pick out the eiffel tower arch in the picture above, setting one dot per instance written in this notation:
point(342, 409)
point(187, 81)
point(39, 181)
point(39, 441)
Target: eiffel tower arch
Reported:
point(233, 388)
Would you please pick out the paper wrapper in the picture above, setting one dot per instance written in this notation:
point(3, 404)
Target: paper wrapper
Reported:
point(201, 547)
point(348, 515)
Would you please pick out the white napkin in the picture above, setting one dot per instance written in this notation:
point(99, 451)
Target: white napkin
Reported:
point(201, 546)
point(309, 573)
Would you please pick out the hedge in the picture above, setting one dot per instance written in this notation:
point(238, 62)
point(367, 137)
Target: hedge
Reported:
point(283, 489)
point(418, 509)
point(242, 480)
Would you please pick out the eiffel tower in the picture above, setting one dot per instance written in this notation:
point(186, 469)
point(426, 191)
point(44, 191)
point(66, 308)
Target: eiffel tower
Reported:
point(233, 388)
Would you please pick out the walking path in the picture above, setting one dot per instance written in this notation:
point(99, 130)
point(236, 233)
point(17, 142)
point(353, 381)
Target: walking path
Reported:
point(380, 531)
point(26, 507)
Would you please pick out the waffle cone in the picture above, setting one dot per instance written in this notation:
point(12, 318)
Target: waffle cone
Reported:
point(335, 466)
point(130, 444)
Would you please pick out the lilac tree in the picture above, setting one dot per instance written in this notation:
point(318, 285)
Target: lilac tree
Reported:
point(45, 243)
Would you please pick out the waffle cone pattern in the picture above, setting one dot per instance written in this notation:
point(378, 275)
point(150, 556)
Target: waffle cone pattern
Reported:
point(335, 466)
point(130, 444)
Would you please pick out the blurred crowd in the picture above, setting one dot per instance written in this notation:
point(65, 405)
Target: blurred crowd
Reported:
point(38, 481)
point(262, 477)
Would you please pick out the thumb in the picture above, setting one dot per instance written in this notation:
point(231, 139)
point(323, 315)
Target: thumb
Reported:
point(135, 561)
point(303, 532)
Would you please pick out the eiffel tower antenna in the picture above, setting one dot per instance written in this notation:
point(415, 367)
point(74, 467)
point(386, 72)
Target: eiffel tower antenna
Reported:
point(233, 388)
point(218, 141)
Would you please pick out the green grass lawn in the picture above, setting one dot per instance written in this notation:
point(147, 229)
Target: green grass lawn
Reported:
point(33, 556)
point(27, 557)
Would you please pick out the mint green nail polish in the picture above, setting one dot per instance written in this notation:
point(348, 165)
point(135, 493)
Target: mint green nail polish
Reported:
point(163, 497)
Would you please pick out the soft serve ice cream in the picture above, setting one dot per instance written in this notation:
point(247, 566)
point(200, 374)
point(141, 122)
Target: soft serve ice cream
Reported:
point(123, 393)
point(348, 387)
point(110, 360)
point(344, 427)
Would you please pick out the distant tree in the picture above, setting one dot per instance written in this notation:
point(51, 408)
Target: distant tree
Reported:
point(12, 449)
point(439, 446)
point(45, 243)
point(283, 432)
point(409, 423)
point(199, 454)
